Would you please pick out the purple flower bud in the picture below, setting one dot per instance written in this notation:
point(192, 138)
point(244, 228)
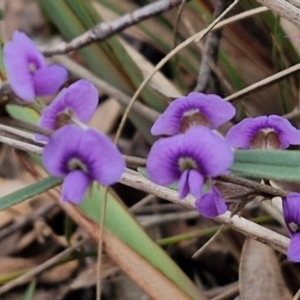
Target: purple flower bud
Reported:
point(191, 158)
point(272, 132)
point(82, 156)
point(195, 109)
point(28, 74)
point(78, 101)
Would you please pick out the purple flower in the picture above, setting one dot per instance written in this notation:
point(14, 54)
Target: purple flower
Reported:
point(291, 213)
point(28, 74)
point(82, 156)
point(191, 158)
point(195, 109)
point(272, 132)
point(211, 204)
point(78, 101)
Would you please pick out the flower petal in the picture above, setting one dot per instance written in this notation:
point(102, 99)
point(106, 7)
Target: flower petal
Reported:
point(287, 133)
point(74, 186)
point(241, 134)
point(213, 108)
point(19, 55)
point(102, 157)
point(60, 148)
point(195, 180)
point(291, 211)
point(208, 150)
point(211, 204)
point(162, 161)
point(80, 97)
point(183, 186)
point(48, 80)
point(293, 253)
point(18, 72)
point(30, 49)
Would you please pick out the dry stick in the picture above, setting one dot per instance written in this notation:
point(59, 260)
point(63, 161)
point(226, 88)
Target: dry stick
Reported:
point(202, 33)
point(210, 62)
point(200, 251)
point(42, 267)
point(297, 295)
point(178, 16)
point(257, 186)
point(21, 145)
point(248, 228)
point(211, 48)
point(25, 126)
point(264, 83)
point(294, 2)
point(284, 9)
point(100, 244)
point(40, 212)
point(103, 31)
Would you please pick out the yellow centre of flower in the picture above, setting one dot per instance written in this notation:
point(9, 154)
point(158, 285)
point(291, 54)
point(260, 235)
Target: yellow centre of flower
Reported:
point(77, 164)
point(186, 163)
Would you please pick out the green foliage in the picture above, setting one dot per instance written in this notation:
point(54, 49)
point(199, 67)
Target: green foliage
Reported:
point(120, 222)
point(268, 164)
point(29, 293)
point(28, 192)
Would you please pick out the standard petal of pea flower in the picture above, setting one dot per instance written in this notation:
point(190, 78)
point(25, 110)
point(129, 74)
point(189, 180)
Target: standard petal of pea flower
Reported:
point(195, 109)
point(82, 156)
point(291, 213)
point(264, 132)
point(27, 71)
point(191, 158)
point(78, 101)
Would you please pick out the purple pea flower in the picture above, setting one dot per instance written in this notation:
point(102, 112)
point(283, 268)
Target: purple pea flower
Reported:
point(28, 74)
point(265, 132)
point(195, 109)
point(78, 101)
point(291, 213)
point(82, 156)
point(191, 158)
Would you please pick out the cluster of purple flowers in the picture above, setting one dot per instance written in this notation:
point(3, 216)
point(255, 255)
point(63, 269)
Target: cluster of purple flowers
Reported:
point(74, 151)
point(193, 154)
point(190, 153)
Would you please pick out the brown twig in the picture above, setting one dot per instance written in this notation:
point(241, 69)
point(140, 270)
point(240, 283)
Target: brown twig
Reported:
point(42, 267)
point(264, 83)
point(284, 9)
point(103, 31)
point(211, 48)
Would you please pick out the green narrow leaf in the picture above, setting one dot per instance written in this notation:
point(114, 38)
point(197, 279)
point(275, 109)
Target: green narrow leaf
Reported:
point(120, 222)
point(23, 113)
point(28, 192)
point(30, 291)
point(268, 164)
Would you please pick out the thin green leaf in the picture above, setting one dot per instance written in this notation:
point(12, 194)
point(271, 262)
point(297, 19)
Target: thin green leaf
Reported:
point(30, 291)
point(23, 113)
point(28, 192)
point(268, 164)
point(121, 223)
